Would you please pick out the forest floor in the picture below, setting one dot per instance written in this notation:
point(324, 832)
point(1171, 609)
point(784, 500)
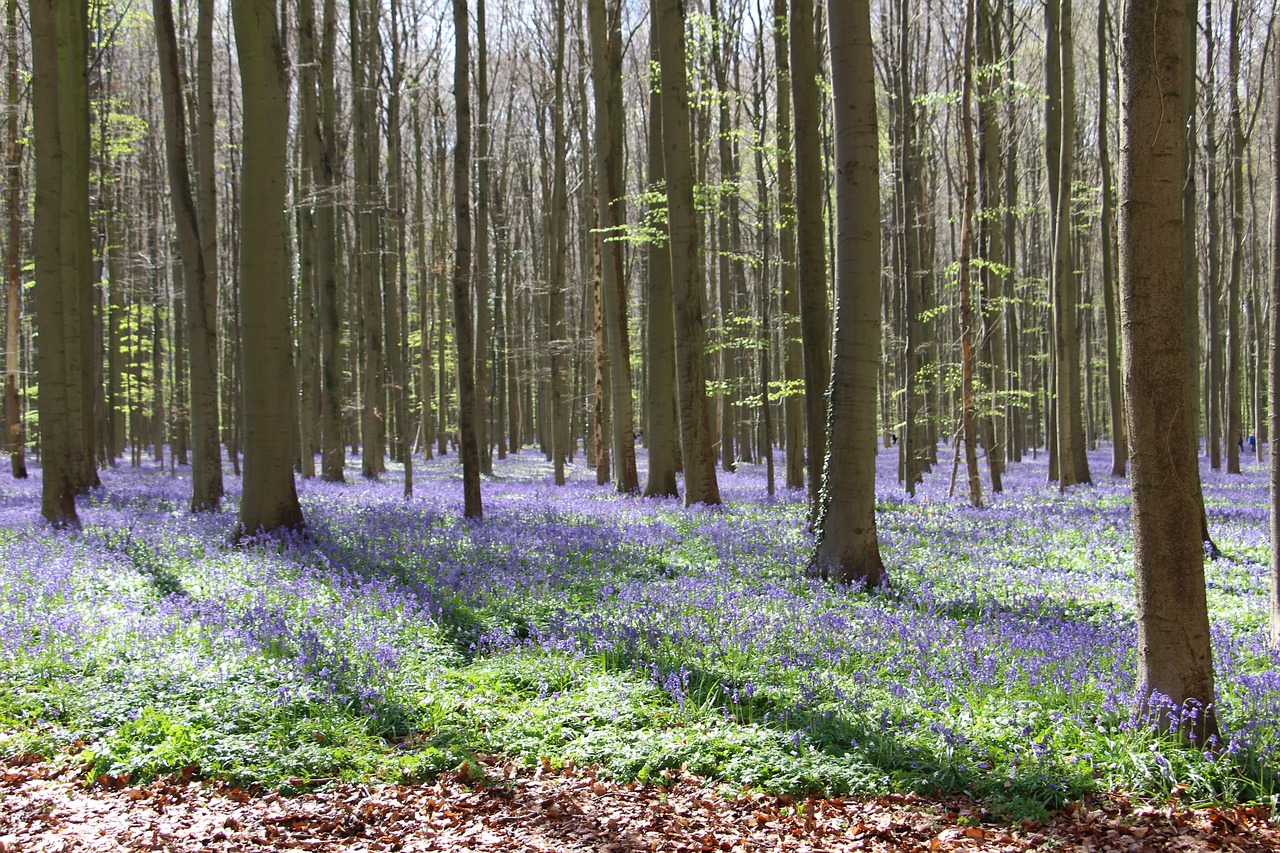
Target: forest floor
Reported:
point(495, 806)
point(583, 669)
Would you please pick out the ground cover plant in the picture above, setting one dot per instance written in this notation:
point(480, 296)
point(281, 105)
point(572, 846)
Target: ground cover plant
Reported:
point(577, 627)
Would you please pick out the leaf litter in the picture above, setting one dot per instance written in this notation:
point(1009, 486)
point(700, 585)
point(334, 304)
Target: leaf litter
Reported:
point(494, 805)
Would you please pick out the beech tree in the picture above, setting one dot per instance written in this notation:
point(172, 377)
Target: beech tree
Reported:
point(1175, 659)
point(200, 291)
point(701, 486)
point(469, 446)
point(847, 548)
point(270, 499)
point(60, 481)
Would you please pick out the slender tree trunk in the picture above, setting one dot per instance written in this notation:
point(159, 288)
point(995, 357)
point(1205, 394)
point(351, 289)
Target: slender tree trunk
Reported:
point(990, 239)
point(270, 499)
point(968, 420)
point(701, 486)
point(847, 548)
point(13, 258)
point(200, 290)
point(1214, 251)
point(811, 261)
point(1174, 651)
point(606, 74)
point(558, 261)
point(1115, 392)
point(792, 354)
point(1235, 433)
point(469, 448)
point(484, 320)
point(1273, 370)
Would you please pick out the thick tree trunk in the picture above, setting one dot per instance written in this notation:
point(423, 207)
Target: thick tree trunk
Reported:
point(1174, 652)
point(59, 477)
point(701, 486)
point(469, 448)
point(662, 424)
point(270, 499)
point(847, 548)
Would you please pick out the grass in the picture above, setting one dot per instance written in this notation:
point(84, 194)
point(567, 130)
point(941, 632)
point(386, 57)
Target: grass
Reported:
point(397, 640)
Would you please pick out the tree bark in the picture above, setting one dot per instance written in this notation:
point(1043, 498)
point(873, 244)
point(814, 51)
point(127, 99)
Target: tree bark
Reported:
point(847, 548)
point(200, 291)
point(59, 479)
point(469, 448)
point(1273, 385)
point(1115, 392)
point(662, 423)
point(606, 76)
point(792, 355)
point(967, 413)
point(701, 486)
point(811, 261)
point(1174, 652)
point(14, 440)
point(270, 499)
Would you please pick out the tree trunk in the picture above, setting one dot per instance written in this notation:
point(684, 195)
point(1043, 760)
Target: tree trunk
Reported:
point(662, 424)
point(990, 239)
point(811, 261)
point(200, 291)
point(701, 486)
point(469, 448)
point(847, 548)
point(483, 319)
point(1115, 401)
point(59, 478)
point(1273, 370)
point(1174, 652)
point(558, 262)
point(792, 354)
point(1235, 433)
point(14, 441)
point(606, 76)
point(270, 499)
point(967, 414)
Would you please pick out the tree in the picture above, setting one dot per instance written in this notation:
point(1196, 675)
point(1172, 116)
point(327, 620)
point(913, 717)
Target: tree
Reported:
point(270, 499)
point(847, 548)
point(701, 486)
point(967, 413)
point(606, 77)
point(660, 341)
point(1273, 369)
point(811, 260)
point(199, 290)
point(13, 257)
point(1106, 217)
point(1174, 653)
point(59, 485)
point(469, 448)
point(792, 357)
